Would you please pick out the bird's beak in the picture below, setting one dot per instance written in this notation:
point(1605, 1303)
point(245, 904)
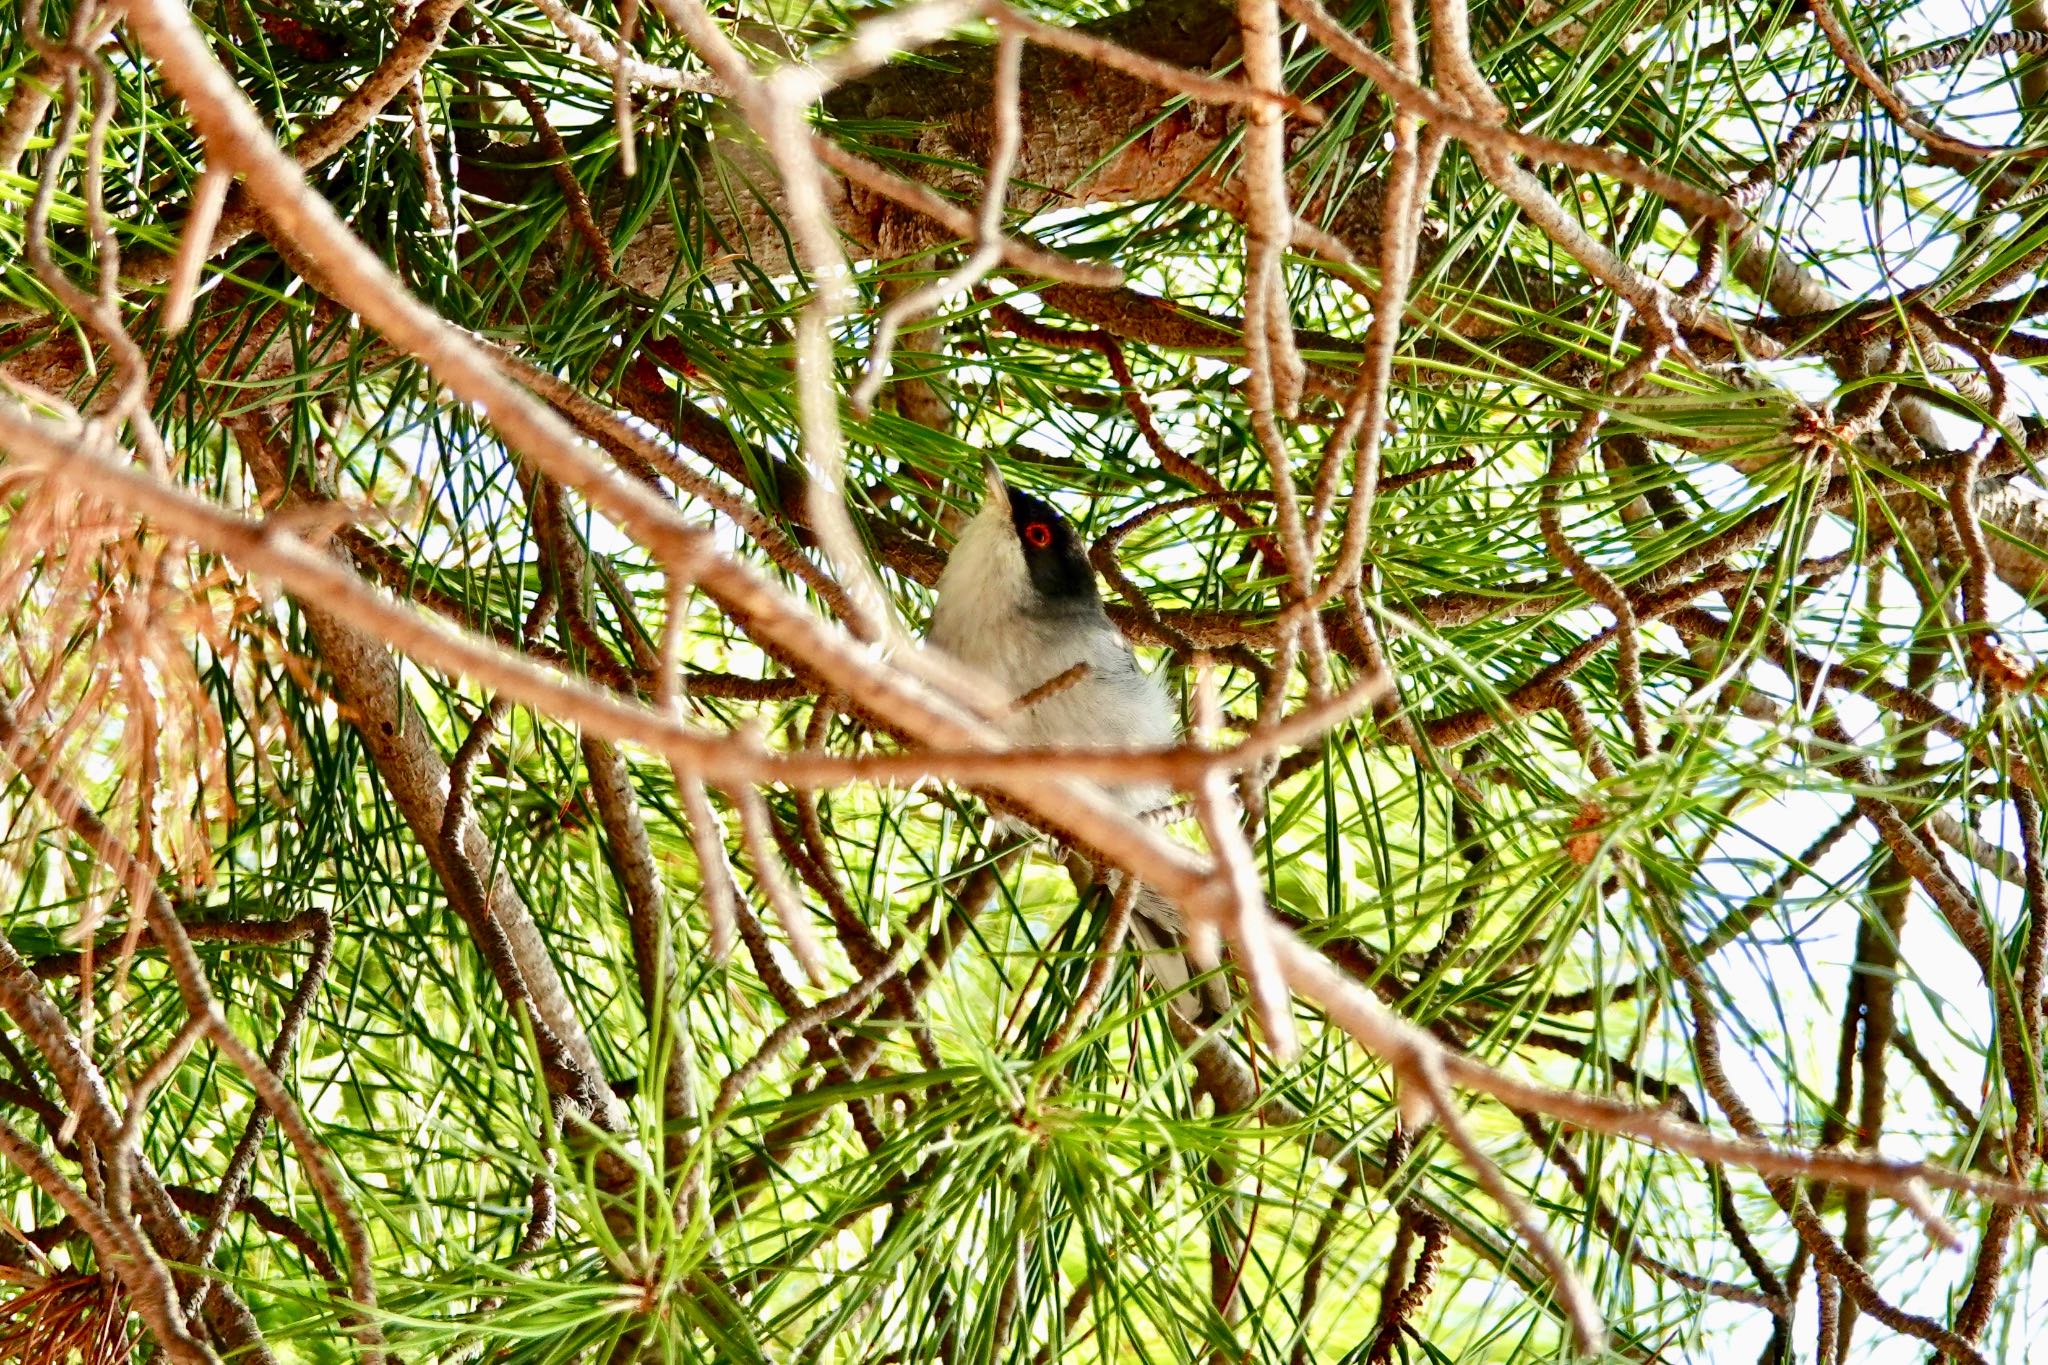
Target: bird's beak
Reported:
point(992, 479)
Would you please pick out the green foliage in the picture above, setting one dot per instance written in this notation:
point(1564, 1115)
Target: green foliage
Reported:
point(1036, 1195)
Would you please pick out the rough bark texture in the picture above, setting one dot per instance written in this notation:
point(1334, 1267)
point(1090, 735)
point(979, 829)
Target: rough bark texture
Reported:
point(1090, 136)
point(409, 763)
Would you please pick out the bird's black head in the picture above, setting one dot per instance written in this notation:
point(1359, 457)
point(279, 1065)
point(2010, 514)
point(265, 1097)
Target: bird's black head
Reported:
point(1052, 553)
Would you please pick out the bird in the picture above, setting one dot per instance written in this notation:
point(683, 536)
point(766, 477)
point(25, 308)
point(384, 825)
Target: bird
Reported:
point(1018, 602)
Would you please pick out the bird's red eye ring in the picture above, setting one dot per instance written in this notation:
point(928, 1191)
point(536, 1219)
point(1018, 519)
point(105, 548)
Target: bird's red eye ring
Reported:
point(1039, 534)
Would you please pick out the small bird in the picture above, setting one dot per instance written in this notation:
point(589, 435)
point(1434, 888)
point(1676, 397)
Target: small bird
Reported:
point(1018, 602)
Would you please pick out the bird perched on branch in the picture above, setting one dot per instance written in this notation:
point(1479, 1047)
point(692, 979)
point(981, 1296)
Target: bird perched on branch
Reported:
point(1018, 601)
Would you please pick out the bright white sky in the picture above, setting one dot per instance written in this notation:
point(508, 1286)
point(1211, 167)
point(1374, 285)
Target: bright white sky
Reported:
point(1942, 1000)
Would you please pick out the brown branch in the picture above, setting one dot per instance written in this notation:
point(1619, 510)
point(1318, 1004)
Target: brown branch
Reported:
point(208, 1202)
point(647, 917)
point(121, 1251)
point(322, 138)
point(1881, 90)
point(564, 172)
point(1403, 89)
point(565, 1076)
point(268, 933)
point(197, 995)
point(567, 561)
point(1317, 1261)
point(1398, 1310)
point(1626, 1239)
point(234, 1181)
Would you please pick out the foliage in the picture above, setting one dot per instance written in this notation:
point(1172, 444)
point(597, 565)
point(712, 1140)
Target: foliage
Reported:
point(1006, 1174)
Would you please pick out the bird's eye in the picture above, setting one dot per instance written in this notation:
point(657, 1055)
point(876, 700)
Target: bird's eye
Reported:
point(1039, 534)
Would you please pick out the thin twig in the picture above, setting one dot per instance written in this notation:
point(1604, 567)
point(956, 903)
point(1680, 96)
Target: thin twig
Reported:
point(1881, 90)
point(988, 247)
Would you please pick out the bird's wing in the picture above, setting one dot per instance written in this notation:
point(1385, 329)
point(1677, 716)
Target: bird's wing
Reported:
point(1156, 926)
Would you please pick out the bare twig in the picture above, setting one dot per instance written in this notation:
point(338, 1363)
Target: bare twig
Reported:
point(1881, 90)
point(142, 1272)
point(774, 883)
point(988, 247)
point(199, 1001)
point(234, 1183)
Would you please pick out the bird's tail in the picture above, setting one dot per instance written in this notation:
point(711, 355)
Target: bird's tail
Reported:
point(1156, 929)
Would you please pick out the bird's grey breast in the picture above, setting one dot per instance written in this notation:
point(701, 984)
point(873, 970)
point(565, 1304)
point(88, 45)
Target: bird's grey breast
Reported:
point(1113, 704)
